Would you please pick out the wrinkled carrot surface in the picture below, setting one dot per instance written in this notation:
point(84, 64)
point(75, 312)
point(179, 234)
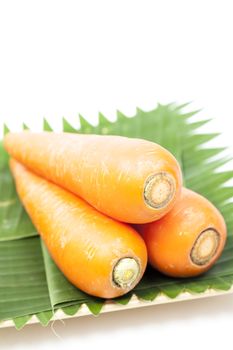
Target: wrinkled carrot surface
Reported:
point(109, 172)
point(84, 243)
point(171, 240)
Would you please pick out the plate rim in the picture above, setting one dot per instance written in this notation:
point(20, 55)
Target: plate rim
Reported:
point(135, 302)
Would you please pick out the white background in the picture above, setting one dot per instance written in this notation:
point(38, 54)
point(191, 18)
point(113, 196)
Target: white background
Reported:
point(58, 58)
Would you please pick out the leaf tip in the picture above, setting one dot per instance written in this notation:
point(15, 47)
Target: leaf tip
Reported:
point(6, 130)
point(95, 307)
point(46, 125)
point(67, 127)
point(85, 126)
point(120, 116)
point(139, 110)
point(25, 127)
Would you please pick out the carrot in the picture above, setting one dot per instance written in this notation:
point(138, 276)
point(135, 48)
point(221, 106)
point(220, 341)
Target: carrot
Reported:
point(188, 240)
point(131, 180)
point(100, 256)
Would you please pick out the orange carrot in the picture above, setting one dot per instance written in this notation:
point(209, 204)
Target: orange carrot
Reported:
point(100, 256)
point(131, 180)
point(188, 240)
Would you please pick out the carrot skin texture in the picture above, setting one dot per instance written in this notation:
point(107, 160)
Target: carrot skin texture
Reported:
point(109, 172)
point(84, 243)
point(170, 240)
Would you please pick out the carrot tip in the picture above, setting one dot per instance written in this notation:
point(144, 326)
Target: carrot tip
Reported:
point(205, 247)
point(126, 272)
point(159, 190)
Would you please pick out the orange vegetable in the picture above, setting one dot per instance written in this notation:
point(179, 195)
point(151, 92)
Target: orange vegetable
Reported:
point(100, 256)
point(188, 240)
point(131, 180)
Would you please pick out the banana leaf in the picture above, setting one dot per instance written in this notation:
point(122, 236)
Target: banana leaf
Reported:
point(30, 282)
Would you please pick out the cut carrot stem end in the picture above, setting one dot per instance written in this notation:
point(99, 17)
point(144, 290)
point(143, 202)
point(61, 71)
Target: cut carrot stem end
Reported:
point(205, 247)
point(159, 190)
point(91, 249)
point(126, 272)
point(188, 240)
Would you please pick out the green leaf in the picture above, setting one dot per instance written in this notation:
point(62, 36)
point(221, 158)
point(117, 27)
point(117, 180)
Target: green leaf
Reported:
point(44, 317)
point(197, 286)
point(30, 282)
point(148, 294)
point(71, 310)
point(190, 114)
point(96, 306)
point(67, 127)
point(14, 222)
point(25, 127)
point(85, 127)
point(23, 285)
point(124, 299)
point(200, 155)
point(46, 126)
point(5, 129)
point(199, 124)
point(172, 290)
point(198, 140)
point(21, 321)
point(222, 283)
